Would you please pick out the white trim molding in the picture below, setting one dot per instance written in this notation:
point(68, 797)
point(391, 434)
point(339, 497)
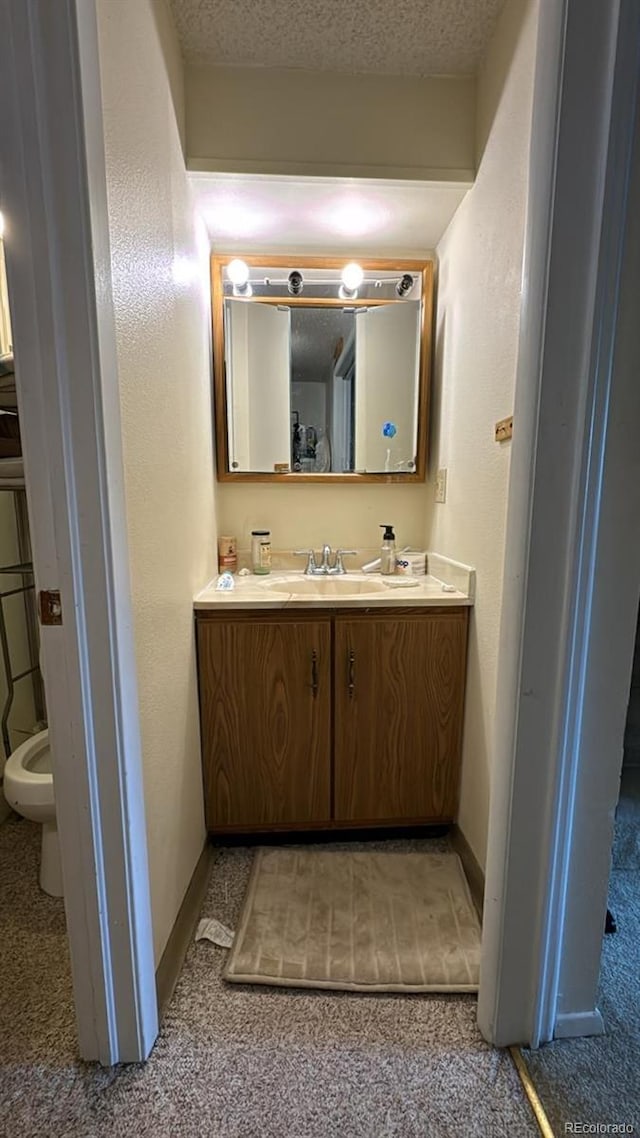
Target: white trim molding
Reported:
point(608, 588)
point(53, 192)
point(579, 1023)
point(586, 70)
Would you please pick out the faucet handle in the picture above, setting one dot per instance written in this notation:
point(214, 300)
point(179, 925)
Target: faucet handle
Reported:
point(311, 558)
point(339, 567)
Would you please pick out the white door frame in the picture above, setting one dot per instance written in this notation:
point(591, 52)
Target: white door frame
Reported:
point(587, 69)
point(53, 193)
point(610, 582)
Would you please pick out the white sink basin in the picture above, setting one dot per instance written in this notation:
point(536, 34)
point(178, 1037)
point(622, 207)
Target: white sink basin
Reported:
point(327, 587)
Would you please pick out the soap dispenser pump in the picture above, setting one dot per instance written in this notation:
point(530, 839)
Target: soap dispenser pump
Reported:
point(388, 551)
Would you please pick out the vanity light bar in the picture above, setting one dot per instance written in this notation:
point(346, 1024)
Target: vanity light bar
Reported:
point(377, 282)
point(349, 281)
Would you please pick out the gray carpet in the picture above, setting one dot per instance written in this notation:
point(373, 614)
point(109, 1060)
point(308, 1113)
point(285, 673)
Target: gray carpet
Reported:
point(235, 1061)
point(626, 846)
point(598, 1079)
point(357, 920)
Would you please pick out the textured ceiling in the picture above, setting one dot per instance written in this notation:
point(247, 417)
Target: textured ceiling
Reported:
point(390, 37)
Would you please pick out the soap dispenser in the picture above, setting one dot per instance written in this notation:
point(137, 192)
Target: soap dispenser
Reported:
point(388, 551)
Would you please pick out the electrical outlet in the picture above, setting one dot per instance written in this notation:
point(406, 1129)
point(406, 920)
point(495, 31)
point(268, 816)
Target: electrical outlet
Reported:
point(441, 485)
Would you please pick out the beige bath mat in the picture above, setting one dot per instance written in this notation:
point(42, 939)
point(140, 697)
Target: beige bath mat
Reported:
point(361, 921)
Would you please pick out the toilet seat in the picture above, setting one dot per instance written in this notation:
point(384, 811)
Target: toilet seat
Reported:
point(28, 779)
point(28, 788)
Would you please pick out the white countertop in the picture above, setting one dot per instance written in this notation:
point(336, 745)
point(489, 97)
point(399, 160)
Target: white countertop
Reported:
point(278, 590)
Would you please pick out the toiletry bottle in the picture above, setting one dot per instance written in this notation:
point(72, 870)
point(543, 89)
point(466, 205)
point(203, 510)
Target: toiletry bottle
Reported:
point(260, 551)
point(227, 554)
point(388, 551)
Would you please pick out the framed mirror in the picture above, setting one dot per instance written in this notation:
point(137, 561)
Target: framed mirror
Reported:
point(321, 368)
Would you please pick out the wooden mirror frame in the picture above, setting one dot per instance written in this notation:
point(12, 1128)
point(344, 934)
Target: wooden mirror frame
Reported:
point(423, 268)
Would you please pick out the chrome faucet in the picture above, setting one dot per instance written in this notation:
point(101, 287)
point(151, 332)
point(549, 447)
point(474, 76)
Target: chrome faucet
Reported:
point(338, 566)
point(325, 568)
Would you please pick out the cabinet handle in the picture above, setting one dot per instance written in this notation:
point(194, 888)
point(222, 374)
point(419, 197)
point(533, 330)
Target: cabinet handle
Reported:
point(352, 673)
point(314, 673)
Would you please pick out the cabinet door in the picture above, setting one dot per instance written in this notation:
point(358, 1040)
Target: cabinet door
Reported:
point(265, 707)
point(399, 692)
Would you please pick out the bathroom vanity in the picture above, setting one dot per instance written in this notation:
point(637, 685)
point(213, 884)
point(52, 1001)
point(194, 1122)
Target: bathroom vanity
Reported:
point(327, 709)
point(328, 703)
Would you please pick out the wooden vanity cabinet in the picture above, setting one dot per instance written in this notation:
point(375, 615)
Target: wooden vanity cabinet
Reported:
point(265, 710)
point(331, 719)
point(399, 692)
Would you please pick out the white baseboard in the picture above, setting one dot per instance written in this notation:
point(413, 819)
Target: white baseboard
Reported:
point(574, 1024)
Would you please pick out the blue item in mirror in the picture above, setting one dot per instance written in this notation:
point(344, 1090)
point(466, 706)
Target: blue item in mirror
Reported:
point(389, 430)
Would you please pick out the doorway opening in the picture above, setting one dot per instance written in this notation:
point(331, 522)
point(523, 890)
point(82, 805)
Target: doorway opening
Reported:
point(33, 935)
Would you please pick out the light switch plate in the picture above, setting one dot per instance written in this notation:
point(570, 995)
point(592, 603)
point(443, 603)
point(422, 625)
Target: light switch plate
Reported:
point(441, 485)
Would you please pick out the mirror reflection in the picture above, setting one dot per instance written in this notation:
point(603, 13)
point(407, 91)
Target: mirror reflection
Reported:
point(322, 370)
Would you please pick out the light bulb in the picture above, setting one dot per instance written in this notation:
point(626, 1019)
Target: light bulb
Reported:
point(352, 276)
point(238, 272)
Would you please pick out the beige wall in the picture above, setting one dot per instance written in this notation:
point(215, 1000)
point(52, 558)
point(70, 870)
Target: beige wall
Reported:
point(263, 121)
point(304, 516)
point(162, 317)
point(479, 287)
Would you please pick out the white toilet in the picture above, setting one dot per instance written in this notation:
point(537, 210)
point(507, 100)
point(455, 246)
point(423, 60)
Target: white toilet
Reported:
point(28, 788)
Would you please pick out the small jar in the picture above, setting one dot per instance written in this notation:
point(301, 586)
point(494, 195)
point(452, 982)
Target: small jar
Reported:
point(261, 550)
point(227, 555)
